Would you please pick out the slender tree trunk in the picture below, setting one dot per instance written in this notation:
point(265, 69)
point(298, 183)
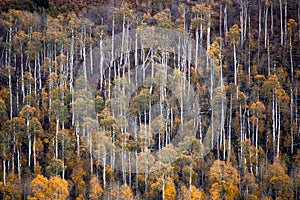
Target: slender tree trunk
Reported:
point(292, 120)
point(235, 63)
point(56, 137)
point(291, 57)
point(273, 122)
point(91, 50)
point(71, 71)
point(83, 51)
point(63, 148)
point(91, 151)
point(229, 128)
point(34, 153)
point(256, 146)
point(281, 23)
point(19, 163)
point(22, 76)
point(129, 169)
point(272, 19)
point(10, 94)
point(296, 107)
point(266, 25)
point(9, 75)
point(4, 166)
point(269, 59)
point(225, 22)
point(29, 142)
point(104, 169)
point(249, 51)
point(241, 134)
point(259, 32)
point(163, 187)
point(191, 170)
point(242, 22)
point(298, 14)
point(197, 49)
point(285, 23)
point(278, 139)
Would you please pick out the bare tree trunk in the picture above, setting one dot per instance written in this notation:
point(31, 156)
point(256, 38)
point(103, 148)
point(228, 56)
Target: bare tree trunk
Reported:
point(278, 139)
point(163, 187)
point(291, 58)
point(256, 146)
point(91, 151)
point(191, 170)
point(281, 23)
point(83, 51)
point(4, 166)
point(266, 25)
point(249, 51)
point(296, 107)
point(129, 169)
point(225, 21)
point(34, 153)
point(71, 71)
point(235, 63)
point(29, 141)
point(259, 32)
point(273, 122)
point(9, 74)
point(285, 23)
point(298, 14)
point(91, 50)
point(22, 76)
point(272, 19)
point(104, 169)
point(242, 22)
point(292, 119)
point(269, 59)
point(229, 128)
point(19, 163)
point(56, 137)
point(63, 148)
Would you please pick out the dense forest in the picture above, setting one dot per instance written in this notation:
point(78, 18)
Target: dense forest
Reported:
point(88, 110)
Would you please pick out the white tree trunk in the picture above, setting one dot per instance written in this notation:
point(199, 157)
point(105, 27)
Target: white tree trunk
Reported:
point(4, 167)
point(292, 119)
point(278, 139)
point(235, 63)
point(19, 163)
point(256, 146)
point(273, 122)
point(104, 169)
point(281, 23)
point(34, 152)
point(266, 26)
point(29, 142)
point(229, 127)
point(291, 57)
point(56, 138)
point(285, 22)
point(62, 149)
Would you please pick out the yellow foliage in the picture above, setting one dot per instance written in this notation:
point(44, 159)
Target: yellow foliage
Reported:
point(13, 188)
point(197, 194)
point(224, 179)
point(215, 191)
point(59, 187)
point(80, 197)
point(96, 189)
point(54, 188)
point(126, 193)
point(170, 190)
point(185, 193)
